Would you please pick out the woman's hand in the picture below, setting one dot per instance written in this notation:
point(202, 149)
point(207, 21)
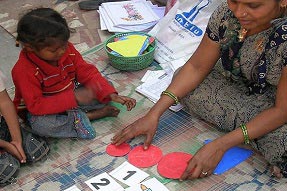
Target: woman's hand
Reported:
point(129, 102)
point(146, 125)
point(204, 162)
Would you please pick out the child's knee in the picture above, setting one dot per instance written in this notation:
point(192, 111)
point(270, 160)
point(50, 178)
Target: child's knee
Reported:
point(9, 167)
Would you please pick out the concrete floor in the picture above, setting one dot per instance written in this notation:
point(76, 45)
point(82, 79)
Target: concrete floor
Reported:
point(8, 54)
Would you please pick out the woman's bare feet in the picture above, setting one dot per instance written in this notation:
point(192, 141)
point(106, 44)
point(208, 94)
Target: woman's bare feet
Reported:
point(107, 111)
point(275, 171)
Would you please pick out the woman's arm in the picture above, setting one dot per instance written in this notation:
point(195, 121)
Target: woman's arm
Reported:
point(188, 78)
point(191, 74)
point(207, 158)
point(265, 122)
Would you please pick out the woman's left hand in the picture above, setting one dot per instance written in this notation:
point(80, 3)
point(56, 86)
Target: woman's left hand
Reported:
point(204, 162)
point(129, 102)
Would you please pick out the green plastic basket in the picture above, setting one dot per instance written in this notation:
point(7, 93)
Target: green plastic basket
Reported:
point(130, 63)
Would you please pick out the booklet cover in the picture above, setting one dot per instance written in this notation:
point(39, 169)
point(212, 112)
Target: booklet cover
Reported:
point(130, 12)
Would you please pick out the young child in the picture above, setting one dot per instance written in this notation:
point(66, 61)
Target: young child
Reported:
point(8, 111)
point(47, 75)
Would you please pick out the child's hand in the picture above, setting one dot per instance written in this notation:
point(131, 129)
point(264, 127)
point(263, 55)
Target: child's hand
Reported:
point(20, 149)
point(10, 148)
point(129, 102)
point(84, 95)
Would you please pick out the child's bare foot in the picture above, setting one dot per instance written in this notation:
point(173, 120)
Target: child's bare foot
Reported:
point(107, 111)
point(275, 171)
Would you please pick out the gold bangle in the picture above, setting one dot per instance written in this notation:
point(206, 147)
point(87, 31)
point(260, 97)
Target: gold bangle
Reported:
point(245, 133)
point(171, 95)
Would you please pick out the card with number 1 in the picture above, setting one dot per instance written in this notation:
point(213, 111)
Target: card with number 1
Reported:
point(129, 174)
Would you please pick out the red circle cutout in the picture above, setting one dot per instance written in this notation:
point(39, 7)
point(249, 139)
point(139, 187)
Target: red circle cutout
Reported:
point(173, 164)
point(145, 158)
point(118, 151)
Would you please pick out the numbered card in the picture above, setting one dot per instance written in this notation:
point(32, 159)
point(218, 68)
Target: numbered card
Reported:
point(73, 188)
point(149, 185)
point(129, 174)
point(103, 182)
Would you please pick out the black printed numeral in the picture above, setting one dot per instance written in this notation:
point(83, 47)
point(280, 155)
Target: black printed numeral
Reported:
point(104, 182)
point(130, 173)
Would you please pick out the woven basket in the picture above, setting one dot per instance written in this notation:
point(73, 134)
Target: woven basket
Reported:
point(131, 63)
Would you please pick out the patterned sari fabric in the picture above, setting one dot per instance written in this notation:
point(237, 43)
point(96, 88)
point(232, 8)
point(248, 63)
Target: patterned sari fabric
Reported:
point(224, 97)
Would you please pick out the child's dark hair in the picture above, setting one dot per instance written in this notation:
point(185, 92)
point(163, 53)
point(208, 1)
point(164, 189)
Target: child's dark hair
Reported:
point(41, 27)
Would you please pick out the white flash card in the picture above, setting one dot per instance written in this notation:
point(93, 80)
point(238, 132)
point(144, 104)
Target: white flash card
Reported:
point(103, 182)
point(149, 185)
point(73, 188)
point(129, 174)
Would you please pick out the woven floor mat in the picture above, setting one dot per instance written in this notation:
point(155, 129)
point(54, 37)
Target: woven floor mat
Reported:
point(72, 162)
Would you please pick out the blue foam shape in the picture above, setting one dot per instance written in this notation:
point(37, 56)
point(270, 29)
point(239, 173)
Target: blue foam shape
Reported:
point(231, 158)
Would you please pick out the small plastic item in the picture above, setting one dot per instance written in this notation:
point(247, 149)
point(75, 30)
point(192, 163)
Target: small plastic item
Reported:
point(231, 158)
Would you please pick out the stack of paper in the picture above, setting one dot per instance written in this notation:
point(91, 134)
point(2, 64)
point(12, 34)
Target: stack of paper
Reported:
point(127, 16)
point(155, 82)
point(130, 45)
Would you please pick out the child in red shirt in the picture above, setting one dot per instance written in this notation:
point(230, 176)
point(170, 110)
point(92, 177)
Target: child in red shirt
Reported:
point(47, 76)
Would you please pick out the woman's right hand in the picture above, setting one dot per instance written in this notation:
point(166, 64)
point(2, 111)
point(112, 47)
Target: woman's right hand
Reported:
point(146, 125)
